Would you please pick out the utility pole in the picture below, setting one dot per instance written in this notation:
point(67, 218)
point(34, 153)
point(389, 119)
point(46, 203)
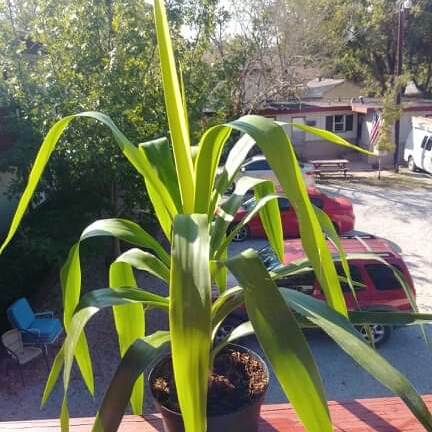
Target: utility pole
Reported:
point(403, 7)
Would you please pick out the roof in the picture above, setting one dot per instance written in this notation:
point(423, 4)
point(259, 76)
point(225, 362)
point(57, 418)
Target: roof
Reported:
point(317, 87)
point(366, 105)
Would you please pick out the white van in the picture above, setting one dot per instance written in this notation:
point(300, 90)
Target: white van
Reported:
point(418, 146)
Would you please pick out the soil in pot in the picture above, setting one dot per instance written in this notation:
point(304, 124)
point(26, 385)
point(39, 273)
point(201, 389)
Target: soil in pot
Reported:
point(239, 378)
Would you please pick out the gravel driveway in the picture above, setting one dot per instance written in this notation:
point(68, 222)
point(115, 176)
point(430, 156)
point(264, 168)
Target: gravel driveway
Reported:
point(399, 211)
point(394, 209)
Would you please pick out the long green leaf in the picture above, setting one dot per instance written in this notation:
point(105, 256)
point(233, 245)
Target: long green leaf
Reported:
point(236, 157)
point(129, 323)
point(331, 137)
point(140, 355)
point(190, 302)
point(270, 217)
point(145, 261)
point(42, 158)
point(53, 376)
point(210, 150)
point(71, 276)
point(129, 150)
point(226, 303)
point(225, 214)
point(88, 306)
point(345, 335)
point(279, 152)
point(175, 109)
point(282, 340)
point(158, 154)
point(260, 205)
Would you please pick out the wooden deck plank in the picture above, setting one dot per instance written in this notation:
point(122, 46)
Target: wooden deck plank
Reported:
point(358, 415)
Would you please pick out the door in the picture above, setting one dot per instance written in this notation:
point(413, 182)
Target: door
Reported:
point(427, 155)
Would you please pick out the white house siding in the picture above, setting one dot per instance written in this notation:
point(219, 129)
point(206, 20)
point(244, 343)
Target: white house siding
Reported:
point(313, 147)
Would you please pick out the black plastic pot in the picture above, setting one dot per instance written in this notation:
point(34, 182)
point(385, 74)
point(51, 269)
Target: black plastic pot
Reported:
point(243, 419)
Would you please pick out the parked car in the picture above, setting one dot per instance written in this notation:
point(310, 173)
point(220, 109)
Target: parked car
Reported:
point(418, 146)
point(258, 167)
point(376, 285)
point(339, 209)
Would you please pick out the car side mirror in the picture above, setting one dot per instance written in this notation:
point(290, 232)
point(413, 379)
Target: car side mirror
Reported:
point(242, 169)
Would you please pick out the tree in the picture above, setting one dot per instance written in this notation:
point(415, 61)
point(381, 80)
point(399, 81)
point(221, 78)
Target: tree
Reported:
point(61, 58)
point(261, 50)
point(361, 38)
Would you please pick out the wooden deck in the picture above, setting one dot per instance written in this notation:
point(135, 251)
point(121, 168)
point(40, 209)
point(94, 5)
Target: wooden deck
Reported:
point(360, 415)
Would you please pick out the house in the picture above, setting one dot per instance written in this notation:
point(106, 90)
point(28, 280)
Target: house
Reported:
point(331, 88)
point(350, 118)
point(336, 116)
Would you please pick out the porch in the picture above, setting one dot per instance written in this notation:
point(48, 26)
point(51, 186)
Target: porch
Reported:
point(358, 415)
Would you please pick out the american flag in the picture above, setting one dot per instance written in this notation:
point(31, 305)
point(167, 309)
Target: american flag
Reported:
point(377, 122)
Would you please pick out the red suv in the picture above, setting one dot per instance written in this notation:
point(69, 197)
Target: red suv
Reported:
point(380, 289)
point(339, 209)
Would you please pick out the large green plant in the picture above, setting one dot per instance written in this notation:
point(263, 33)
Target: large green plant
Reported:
point(187, 200)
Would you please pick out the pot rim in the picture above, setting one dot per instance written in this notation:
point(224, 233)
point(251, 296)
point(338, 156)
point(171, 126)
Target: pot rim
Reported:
point(230, 345)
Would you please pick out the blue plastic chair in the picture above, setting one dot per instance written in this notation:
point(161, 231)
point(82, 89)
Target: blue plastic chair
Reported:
point(36, 328)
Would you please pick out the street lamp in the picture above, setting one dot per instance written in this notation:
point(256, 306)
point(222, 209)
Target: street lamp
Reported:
point(403, 6)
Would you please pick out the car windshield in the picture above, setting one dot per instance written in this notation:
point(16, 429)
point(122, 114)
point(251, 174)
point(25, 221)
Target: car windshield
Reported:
point(269, 258)
point(249, 204)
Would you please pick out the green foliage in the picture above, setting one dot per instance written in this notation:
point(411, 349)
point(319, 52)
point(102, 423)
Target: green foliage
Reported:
point(361, 39)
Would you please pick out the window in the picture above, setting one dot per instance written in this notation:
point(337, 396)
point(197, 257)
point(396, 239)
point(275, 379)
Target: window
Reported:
point(423, 144)
point(383, 277)
point(283, 203)
point(340, 123)
point(429, 144)
point(317, 202)
point(258, 165)
point(355, 277)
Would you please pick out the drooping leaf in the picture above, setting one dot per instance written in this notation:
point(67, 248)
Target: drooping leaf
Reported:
point(331, 137)
point(225, 215)
point(138, 357)
point(145, 261)
point(345, 335)
point(279, 152)
point(282, 339)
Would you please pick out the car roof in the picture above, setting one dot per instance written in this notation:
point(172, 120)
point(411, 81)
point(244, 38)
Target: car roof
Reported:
point(363, 244)
point(255, 158)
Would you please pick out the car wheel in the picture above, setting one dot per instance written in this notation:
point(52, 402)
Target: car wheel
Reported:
point(242, 234)
point(411, 164)
point(380, 333)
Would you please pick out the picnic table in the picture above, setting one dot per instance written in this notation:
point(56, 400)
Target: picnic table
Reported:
point(330, 166)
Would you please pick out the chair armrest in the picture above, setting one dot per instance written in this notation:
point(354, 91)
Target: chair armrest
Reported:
point(46, 313)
